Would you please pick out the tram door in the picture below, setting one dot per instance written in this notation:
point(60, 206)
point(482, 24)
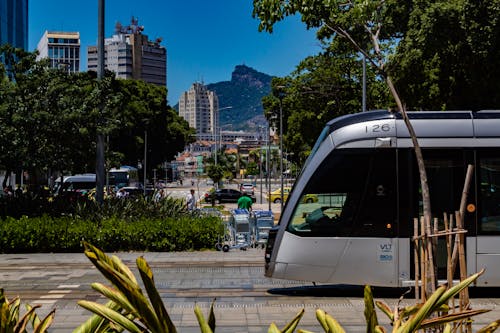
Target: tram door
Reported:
point(446, 170)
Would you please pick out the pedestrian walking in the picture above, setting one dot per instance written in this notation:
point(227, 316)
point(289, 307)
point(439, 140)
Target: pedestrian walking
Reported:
point(245, 202)
point(190, 201)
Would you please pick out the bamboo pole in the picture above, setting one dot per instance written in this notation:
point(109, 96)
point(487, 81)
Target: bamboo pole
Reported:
point(463, 203)
point(416, 258)
point(423, 261)
point(431, 272)
point(464, 294)
point(449, 277)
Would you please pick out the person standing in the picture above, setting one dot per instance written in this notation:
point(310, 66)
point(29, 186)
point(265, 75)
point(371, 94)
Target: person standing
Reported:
point(190, 200)
point(245, 202)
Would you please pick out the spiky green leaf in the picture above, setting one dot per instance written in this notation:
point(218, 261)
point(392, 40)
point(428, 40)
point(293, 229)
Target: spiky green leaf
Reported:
point(290, 327)
point(111, 315)
point(45, 323)
point(164, 320)
point(205, 328)
point(370, 314)
point(490, 328)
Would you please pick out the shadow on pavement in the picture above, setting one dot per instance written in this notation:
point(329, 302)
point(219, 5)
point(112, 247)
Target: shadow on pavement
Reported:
point(344, 290)
point(339, 290)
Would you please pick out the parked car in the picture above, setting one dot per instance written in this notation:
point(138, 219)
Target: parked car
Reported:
point(275, 196)
point(247, 188)
point(224, 195)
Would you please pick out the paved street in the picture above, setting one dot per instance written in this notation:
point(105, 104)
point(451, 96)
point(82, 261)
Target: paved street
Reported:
point(246, 300)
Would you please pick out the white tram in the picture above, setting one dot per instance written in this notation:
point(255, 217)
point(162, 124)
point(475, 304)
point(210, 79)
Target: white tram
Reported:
point(365, 177)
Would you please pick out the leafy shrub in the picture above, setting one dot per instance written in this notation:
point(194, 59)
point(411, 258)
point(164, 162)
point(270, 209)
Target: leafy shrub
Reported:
point(65, 234)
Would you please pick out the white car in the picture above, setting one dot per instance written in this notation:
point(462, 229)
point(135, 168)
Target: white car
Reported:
point(247, 188)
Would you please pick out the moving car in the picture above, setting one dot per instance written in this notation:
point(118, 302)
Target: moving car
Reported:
point(275, 196)
point(247, 188)
point(223, 195)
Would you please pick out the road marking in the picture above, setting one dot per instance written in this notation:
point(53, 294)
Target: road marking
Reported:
point(59, 291)
point(69, 286)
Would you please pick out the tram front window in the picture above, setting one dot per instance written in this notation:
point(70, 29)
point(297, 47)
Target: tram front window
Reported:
point(353, 194)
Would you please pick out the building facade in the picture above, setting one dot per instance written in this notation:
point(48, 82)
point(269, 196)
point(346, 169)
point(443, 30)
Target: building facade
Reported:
point(131, 55)
point(200, 107)
point(14, 23)
point(62, 49)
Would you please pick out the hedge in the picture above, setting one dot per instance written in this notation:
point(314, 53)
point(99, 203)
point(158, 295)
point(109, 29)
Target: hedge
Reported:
point(65, 234)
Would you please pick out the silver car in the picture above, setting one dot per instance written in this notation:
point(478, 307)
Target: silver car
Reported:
point(247, 188)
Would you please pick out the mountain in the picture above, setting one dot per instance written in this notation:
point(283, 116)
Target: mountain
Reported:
point(244, 95)
point(240, 100)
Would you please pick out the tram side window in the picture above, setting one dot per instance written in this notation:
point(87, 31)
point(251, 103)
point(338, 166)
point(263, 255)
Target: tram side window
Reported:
point(351, 194)
point(490, 196)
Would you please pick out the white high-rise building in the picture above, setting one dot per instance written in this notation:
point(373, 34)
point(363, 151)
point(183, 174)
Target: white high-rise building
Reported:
point(200, 108)
point(131, 55)
point(62, 49)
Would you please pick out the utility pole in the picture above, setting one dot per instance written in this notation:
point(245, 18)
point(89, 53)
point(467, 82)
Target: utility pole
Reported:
point(100, 136)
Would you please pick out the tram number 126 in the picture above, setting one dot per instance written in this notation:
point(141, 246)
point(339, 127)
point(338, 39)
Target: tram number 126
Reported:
point(378, 128)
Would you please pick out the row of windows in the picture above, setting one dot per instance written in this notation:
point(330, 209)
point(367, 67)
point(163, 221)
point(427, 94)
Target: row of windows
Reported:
point(64, 52)
point(376, 193)
point(63, 40)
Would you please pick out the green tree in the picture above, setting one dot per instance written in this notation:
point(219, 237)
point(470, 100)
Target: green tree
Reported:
point(449, 57)
point(322, 87)
point(215, 172)
point(372, 28)
point(49, 118)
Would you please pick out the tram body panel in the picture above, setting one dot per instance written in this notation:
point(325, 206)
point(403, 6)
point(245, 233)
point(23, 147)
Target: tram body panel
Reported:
point(363, 173)
point(338, 260)
point(488, 257)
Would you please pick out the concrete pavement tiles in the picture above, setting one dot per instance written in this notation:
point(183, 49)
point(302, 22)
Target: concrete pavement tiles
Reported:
point(183, 279)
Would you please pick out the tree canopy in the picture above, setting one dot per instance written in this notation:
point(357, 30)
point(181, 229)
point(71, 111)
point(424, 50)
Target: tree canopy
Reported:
point(49, 118)
point(438, 54)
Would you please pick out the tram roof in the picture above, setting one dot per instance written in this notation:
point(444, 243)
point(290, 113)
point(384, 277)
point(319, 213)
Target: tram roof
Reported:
point(361, 117)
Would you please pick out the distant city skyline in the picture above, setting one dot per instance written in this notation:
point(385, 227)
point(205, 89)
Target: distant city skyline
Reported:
point(205, 40)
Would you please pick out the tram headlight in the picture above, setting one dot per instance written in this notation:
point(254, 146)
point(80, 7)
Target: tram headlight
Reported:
point(273, 232)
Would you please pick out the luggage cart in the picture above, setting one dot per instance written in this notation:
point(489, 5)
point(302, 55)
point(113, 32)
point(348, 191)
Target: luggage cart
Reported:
point(236, 232)
point(261, 222)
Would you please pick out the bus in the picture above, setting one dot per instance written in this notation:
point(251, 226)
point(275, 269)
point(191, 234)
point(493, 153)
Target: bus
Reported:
point(364, 174)
point(124, 176)
point(75, 185)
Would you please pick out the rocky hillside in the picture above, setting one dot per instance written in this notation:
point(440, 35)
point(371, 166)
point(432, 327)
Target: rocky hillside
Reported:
point(244, 94)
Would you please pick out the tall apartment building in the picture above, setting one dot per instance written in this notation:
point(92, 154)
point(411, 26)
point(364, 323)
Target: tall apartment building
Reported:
point(131, 55)
point(14, 23)
point(13, 26)
point(200, 108)
point(62, 49)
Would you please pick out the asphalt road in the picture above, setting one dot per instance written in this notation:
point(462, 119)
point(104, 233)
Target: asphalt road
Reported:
point(247, 301)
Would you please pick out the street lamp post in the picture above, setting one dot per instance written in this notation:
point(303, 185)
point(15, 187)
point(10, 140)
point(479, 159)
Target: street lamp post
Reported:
point(100, 135)
point(145, 158)
point(268, 134)
point(280, 96)
point(217, 130)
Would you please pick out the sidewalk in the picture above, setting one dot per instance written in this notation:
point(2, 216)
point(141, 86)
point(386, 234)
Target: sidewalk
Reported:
point(246, 300)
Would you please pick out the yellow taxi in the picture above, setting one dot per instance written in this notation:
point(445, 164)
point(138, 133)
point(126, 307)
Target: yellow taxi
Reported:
point(275, 196)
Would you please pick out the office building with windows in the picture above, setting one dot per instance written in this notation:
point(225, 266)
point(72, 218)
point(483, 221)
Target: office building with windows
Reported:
point(131, 55)
point(199, 107)
point(14, 23)
point(62, 49)
point(13, 26)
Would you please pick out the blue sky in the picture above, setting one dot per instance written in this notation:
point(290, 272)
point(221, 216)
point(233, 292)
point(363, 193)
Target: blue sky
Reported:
point(205, 40)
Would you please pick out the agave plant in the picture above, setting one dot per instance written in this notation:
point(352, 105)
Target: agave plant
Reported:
point(10, 321)
point(433, 313)
point(129, 308)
